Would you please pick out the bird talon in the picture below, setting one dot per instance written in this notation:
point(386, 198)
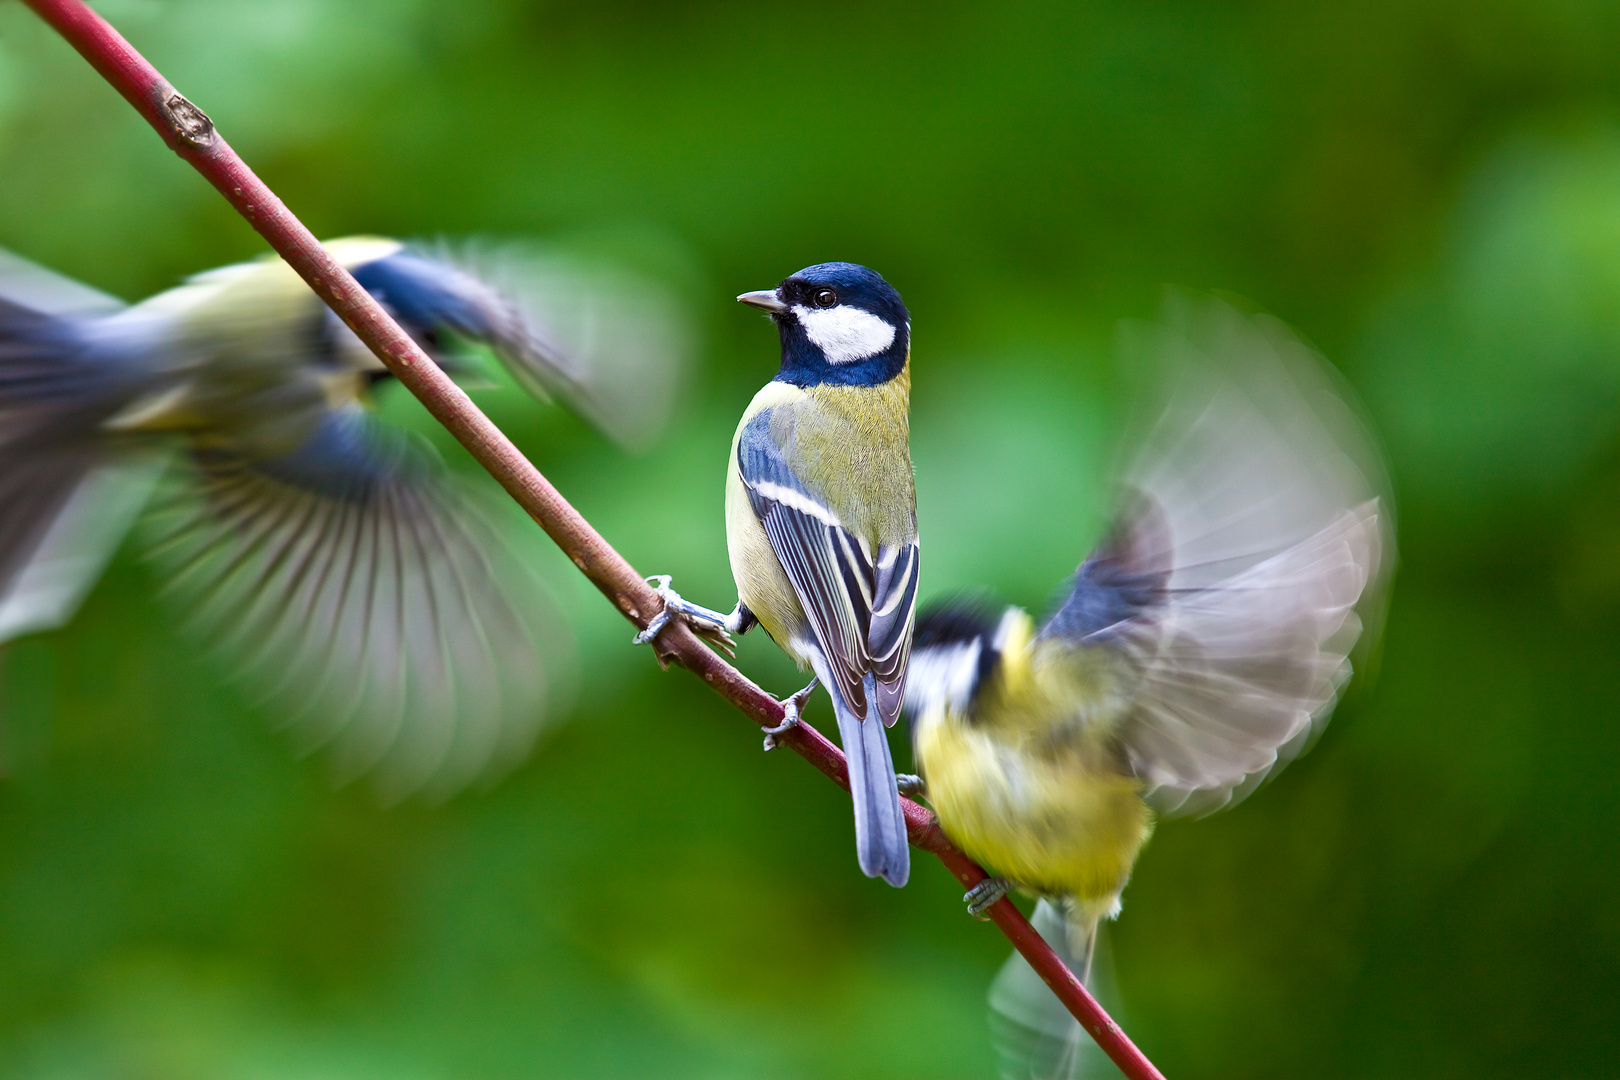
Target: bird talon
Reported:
point(718, 636)
point(910, 785)
point(659, 621)
point(791, 708)
point(788, 722)
point(706, 624)
point(660, 584)
point(984, 894)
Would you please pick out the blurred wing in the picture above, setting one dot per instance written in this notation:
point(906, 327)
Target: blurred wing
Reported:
point(860, 603)
point(1250, 442)
point(34, 287)
point(1258, 525)
point(1228, 682)
point(611, 345)
point(371, 598)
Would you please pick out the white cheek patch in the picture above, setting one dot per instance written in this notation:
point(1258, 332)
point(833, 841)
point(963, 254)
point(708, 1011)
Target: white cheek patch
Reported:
point(845, 334)
point(943, 675)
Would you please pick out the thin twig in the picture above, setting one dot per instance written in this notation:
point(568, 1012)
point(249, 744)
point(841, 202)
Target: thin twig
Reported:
point(191, 134)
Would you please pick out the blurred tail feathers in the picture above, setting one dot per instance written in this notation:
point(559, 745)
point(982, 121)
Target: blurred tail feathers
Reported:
point(1035, 1035)
point(65, 503)
point(29, 285)
point(60, 523)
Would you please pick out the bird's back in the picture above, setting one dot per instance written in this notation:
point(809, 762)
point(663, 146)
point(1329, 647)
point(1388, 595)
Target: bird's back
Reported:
point(257, 353)
point(857, 441)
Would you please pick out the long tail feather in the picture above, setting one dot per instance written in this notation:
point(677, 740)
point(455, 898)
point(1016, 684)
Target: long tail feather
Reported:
point(880, 825)
point(60, 523)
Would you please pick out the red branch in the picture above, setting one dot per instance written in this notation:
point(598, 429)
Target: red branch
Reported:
point(190, 133)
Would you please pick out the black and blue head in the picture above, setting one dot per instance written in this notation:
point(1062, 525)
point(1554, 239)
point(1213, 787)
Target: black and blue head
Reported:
point(428, 297)
point(840, 324)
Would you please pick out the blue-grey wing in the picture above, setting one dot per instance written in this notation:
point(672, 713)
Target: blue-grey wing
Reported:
point(612, 345)
point(374, 600)
point(1227, 682)
point(1255, 536)
point(860, 603)
point(888, 639)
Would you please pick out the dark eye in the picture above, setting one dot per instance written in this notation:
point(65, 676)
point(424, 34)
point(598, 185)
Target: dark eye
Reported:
point(826, 298)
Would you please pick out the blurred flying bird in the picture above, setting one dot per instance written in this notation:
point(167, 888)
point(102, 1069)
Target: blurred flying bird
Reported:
point(368, 592)
point(1198, 649)
point(821, 522)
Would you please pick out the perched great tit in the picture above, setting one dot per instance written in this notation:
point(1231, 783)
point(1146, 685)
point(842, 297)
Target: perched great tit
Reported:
point(369, 593)
point(1199, 647)
point(821, 522)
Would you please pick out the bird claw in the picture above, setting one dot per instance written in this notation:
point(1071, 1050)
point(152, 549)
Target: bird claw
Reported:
point(791, 708)
point(985, 893)
point(706, 624)
point(654, 628)
point(910, 785)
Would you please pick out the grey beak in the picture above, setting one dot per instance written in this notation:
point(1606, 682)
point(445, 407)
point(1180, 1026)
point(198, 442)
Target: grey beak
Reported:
point(765, 299)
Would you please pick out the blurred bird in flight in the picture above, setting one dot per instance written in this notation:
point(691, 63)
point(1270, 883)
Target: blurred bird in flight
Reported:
point(821, 523)
point(369, 593)
point(1198, 649)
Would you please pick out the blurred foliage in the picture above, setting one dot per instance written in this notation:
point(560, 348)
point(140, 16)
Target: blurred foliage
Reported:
point(1429, 190)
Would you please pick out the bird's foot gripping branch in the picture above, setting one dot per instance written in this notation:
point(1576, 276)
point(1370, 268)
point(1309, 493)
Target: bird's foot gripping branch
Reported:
point(188, 131)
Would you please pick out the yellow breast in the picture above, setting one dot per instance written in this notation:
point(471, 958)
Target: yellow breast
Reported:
point(1030, 792)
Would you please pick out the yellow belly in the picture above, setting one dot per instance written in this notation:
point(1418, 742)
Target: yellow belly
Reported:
point(1051, 821)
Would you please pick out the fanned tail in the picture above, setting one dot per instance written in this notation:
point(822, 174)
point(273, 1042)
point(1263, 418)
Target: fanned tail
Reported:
point(66, 499)
point(61, 519)
point(1035, 1035)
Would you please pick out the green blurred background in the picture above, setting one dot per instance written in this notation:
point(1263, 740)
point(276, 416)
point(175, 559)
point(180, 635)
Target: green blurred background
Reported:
point(1430, 191)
